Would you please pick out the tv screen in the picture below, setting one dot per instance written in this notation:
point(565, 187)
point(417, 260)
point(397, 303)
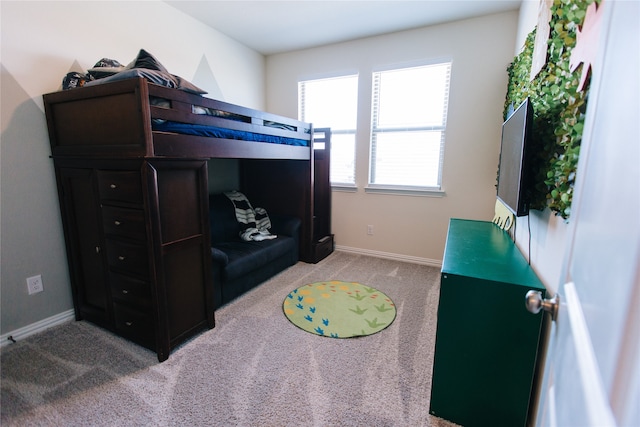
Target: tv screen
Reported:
point(514, 167)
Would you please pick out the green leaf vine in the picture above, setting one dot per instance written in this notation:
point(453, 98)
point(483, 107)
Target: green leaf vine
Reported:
point(559, 108)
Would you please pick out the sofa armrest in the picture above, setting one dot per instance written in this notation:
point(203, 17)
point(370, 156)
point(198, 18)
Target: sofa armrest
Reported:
point(219, 256)
point(285, 225)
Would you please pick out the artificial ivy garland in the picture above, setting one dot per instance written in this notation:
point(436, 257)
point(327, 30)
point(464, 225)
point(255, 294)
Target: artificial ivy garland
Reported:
point(559, 107)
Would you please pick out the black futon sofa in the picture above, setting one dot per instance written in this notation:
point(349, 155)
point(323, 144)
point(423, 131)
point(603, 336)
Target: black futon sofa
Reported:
point(239, 265)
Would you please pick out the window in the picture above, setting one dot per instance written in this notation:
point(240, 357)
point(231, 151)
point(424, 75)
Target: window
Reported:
point(409, 112)
point(333, 103)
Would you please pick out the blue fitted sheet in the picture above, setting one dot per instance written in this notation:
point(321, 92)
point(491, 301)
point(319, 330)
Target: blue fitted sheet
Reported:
point(217, 132)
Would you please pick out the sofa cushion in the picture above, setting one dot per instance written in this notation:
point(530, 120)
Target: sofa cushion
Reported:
point(222, 218)
point(245, 257)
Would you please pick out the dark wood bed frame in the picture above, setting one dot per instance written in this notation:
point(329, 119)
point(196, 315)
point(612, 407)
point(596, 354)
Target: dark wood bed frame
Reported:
point(134, 202)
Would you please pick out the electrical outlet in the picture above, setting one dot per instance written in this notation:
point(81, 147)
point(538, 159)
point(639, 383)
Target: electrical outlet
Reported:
point(34, 284)
point(370, 230)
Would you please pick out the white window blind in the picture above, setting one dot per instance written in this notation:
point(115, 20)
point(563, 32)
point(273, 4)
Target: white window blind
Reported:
point(409, 112)
point(333, 103)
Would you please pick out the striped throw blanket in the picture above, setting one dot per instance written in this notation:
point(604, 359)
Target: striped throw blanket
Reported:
point(255, 222)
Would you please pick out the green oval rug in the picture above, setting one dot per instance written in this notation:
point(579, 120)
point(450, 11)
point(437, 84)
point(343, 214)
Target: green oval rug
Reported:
point(339, 309)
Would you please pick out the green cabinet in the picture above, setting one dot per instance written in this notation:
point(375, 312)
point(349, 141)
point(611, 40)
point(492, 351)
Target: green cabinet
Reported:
point(486, 340)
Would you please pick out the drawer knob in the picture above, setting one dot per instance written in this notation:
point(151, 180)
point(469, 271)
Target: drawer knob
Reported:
point(113, 186)
point(124, 291)
point(128, 323)
point(116, 222)
point(121, 258)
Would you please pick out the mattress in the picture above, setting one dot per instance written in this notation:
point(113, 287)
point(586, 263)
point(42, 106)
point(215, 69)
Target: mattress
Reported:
point(218, 132)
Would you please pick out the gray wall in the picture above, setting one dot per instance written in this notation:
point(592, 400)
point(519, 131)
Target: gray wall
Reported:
point(43, 41)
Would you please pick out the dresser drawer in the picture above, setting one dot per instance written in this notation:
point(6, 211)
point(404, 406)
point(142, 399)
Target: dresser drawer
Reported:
point(130, 290)
point(124, 222)
point(136, 325)
point(127, 257)
point(122, 186)
point(322, 248)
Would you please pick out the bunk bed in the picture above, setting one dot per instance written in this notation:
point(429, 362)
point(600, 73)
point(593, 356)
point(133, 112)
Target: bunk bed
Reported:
point(139, 118)
point(131, 160)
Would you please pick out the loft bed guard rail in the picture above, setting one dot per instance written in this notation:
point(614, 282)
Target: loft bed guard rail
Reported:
point(136, 118)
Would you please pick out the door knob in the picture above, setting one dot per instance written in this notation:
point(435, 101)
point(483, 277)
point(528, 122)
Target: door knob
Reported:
point(535, 303)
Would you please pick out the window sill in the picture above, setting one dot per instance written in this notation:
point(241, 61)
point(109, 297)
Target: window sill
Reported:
point(347, 188)
point(405, 191)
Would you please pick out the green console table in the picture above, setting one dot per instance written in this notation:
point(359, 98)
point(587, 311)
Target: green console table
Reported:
point(486, 340)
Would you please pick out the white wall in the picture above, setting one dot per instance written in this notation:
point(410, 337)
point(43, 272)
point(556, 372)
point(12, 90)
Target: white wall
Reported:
point(41, 42)
point(410, 226)
point(548, 236)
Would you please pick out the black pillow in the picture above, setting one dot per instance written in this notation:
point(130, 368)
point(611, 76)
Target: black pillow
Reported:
point(157, 77)
point(145, 65)
point(104, 68)
point(187, 86)
point(148, 61)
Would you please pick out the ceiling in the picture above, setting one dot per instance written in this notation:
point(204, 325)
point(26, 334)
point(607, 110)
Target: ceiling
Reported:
point(271, 27)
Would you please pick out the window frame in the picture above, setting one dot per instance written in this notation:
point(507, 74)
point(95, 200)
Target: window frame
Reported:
point(372, 187)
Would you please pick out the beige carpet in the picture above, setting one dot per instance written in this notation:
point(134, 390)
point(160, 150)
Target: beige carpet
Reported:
point(253, 369)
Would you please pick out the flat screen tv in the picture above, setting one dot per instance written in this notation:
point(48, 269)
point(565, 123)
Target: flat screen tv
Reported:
point(514, 169)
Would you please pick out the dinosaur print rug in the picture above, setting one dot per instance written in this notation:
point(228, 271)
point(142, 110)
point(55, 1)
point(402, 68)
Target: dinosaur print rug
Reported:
point(339, 309)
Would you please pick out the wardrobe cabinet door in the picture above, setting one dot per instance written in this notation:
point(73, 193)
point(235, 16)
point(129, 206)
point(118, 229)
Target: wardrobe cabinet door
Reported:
point(179, 205)
point(83, 237)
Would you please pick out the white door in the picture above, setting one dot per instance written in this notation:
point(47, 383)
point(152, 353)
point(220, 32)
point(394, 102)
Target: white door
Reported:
point(592, 370)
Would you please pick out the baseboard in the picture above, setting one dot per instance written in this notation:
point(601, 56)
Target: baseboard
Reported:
point(34, 328)
point(388, 255)
point(68, 315)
